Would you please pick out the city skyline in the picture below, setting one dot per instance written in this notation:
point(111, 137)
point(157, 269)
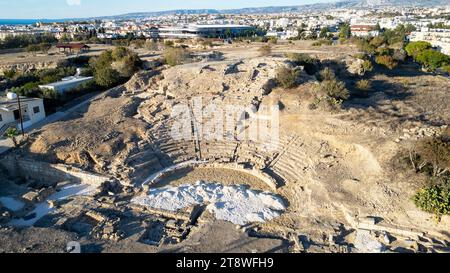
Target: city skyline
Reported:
point(61, 9)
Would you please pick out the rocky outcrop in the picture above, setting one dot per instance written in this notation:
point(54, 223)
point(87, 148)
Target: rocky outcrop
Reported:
point(27, 67)
point(355, 66)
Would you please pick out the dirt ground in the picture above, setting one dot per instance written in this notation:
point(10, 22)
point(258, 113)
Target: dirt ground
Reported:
point(337, 170)
point(15, 57)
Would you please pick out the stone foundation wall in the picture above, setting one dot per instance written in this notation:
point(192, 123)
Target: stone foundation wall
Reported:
point(49, 173)
point(266, 178)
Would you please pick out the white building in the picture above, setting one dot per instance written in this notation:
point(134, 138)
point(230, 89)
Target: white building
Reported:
point(32, 112)
point(364, 30)
point(283, 35)
point(202, 31)
point(439, 38)
point(66, 84)
point(14, 33)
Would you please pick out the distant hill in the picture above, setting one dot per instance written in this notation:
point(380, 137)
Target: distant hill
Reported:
point(301, 8)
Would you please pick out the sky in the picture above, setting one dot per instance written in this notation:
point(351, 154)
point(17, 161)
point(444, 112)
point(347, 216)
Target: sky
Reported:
point(59, 9)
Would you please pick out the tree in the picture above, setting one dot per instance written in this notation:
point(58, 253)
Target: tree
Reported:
point(436, 153)
point(12, 134)
point(228, 33)
point(45, 47)
point(324, 33)
point(33, 49)
point(114, 66)
point(432, 59)
point(365, 46)
point(345, 31)
point(415, 48)
point(106, 77)
point(119, 53)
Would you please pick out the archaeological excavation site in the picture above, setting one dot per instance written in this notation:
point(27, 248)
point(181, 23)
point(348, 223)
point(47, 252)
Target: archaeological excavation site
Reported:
point(217, 156)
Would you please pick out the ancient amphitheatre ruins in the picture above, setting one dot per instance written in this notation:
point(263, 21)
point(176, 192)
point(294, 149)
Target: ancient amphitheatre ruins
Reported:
point(328, 175)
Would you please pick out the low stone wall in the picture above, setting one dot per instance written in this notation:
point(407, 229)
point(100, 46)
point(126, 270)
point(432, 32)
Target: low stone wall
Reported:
point(266, 178)
point(49, 173)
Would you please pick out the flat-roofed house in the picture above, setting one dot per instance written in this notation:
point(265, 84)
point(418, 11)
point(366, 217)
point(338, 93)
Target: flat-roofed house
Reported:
point(32, 112)
point(364, 30)
point(66, 84)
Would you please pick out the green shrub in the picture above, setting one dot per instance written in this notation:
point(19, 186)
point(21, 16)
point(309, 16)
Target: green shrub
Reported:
point(378, 41)
point(367, 66)
point(361, 56)
point(415, 48)
point(364, 46)
point(33, 48)
point(363, 85)
point(322, 42)
point(287, 77)
point(273, 40)
point(436, 153)
point(12, 133)
point(119, 53)
point(345, 31)
point(22, 41)
point(176, 56)
point(432, 157)
point(301, 59)
point(45, 47)
point(387, 61)
point(384, 51)
point(327, 74)
point(49, 94)
point(446, 69)
point(432, 59)
point(434, 199)
point(106, 77)
point(114, 66)
point(333, 92)
point(9, 74)
point(335, 89)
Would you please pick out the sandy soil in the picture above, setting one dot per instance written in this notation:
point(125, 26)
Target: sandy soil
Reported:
point(338, 166)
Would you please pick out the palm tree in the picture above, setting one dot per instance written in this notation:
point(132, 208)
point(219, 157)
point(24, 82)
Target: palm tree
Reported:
point(12, 133)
